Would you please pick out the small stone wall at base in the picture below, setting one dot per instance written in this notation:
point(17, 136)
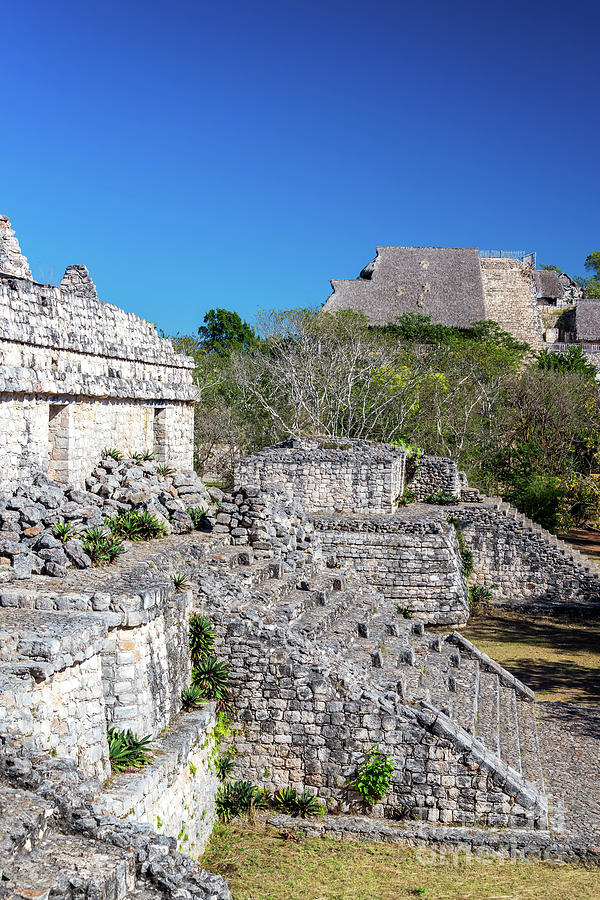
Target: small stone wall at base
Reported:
point(416, 563)
point(440, 841)
point(175, 793)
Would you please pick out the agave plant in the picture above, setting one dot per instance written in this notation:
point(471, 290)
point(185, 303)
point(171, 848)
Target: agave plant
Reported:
point(126, 750)
point(198, 515)
point(114, 454)
point(136, 525)
point(164, 470)
point(212, 677)
point(239, 797)
point(192, 697)
point(144, 456)
point(64, 531)
point(304, 805)
point(224, 766)
point(202, 638)
point(180, 581)
point(100, 546)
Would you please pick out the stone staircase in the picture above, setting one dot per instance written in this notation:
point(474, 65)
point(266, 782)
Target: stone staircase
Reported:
point(431, 671)
point(528, 525)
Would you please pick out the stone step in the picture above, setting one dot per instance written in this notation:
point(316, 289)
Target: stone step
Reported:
point(67, 866)
point(531, 766)
point(487, 728)
point(145, 891)
point(510, 749)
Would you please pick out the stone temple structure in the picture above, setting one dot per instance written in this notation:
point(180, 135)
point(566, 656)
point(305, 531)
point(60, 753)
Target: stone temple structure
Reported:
point(78, 375)
point(460, 286)
point(335, 608)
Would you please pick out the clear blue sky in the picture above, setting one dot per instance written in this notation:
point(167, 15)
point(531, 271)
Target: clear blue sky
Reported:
point(201, 154)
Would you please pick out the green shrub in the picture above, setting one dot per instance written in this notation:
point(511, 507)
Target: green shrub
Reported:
point(202, 638)
point(406, 498)
point(304, 805)
point(192, 698)
point(442, 498)
point(64, 531)
point(466, 556)
point(136, 525)
point(164, 470)
point(403, 611)
point(101, 547)
point(126, 750)
point(373, 776)
point(239, 797)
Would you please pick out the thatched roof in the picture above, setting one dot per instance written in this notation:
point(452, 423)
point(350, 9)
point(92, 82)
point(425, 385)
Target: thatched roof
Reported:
point(547, 284)
point(587, 320)
point(441, 282)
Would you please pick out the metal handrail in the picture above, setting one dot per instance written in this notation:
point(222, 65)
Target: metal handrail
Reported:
point(523, 255)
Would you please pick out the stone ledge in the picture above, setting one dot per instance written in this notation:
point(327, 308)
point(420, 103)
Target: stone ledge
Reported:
point(487, 842)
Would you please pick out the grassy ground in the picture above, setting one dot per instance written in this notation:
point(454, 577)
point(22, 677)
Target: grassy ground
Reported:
point(260, 864)
point(557, 659)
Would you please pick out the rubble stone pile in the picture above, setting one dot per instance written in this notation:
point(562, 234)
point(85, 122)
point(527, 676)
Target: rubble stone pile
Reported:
point(28, 545)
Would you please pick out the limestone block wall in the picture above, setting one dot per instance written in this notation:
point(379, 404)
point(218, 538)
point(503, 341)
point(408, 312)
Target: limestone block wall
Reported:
point(144, 657)
point(176, 792)
point(146, 666)
point(330, 476)
point(435, 473)
point(51, 686)
point(415, 563)
point(77, 374)
point(530, 567)
point(510, 299)
point(306, 724)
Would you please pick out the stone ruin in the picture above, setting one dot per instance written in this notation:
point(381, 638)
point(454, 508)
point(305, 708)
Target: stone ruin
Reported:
point(323, 591)
point(78, 375)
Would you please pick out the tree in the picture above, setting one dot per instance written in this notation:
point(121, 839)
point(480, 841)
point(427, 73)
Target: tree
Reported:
point(592, 285)
point(552, 268)
point(224, 331)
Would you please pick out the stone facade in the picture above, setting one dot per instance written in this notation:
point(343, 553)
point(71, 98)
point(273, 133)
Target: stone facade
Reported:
point(414, 561)
point(78, 375)
point(510, 299)
point(329, 475)
point(435, 474)
point(175, 793)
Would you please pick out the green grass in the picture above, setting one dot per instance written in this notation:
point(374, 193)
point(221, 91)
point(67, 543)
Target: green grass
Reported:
point(559, 660)
point(261, 864)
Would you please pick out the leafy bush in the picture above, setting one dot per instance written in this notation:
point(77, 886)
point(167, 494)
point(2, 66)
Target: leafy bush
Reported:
point(224, 766)
point(239, 797)
point(572, 361)
point(442, 498)
point(406, 498)
point(100, 546)
point(304, 805)
point(198, 515)
point(64, 531)
point(202, 638)
point(373, 776)
point(126, 750)
point(403, 611)
point(114, 454)
point(192, 698)
point(136, 525)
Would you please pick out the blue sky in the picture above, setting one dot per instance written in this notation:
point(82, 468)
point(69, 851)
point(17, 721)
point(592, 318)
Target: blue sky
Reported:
point(198, 154)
